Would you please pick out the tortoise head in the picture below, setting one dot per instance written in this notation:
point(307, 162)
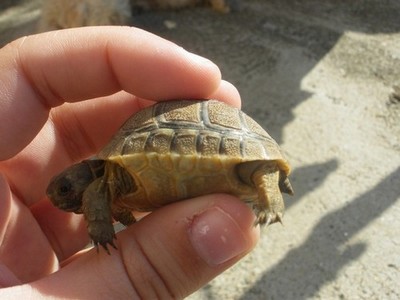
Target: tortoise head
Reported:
point(66, 189)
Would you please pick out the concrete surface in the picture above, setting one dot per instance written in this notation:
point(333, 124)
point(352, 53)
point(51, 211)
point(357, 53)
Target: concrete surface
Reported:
point(319, 75)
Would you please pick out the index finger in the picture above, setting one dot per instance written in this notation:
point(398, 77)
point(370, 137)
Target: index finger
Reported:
point(43, 71)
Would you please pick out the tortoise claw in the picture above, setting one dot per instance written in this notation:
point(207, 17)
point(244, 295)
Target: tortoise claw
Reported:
point(103, 234)
point(265, 217)
point(104, 245)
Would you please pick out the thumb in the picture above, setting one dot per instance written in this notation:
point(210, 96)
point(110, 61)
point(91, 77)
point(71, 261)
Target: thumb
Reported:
point(168, 254)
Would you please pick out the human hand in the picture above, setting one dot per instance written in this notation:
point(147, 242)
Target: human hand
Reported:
point(46, 126)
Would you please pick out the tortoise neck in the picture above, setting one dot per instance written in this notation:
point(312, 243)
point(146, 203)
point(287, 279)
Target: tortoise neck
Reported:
point(96, 167)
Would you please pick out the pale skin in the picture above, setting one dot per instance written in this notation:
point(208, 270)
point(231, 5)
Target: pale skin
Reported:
point(46, 126)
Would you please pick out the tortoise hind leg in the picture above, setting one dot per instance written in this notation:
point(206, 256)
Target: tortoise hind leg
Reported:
point(270, 206)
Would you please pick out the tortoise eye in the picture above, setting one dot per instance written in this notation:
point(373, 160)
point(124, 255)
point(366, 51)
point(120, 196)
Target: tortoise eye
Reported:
point(65, 188)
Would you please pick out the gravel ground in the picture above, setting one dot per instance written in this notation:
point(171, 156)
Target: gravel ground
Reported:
point(323, 78)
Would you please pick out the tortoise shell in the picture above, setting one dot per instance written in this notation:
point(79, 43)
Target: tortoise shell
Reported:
point(180, 149)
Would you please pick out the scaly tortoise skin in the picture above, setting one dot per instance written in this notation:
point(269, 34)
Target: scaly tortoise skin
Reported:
point(172, 151)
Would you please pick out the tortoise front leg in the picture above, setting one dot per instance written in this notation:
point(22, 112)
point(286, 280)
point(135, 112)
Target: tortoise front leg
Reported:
point(124, 216)
point(96, 207)
point(270, 206)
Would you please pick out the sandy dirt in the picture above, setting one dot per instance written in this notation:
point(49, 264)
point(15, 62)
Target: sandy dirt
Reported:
point(321, 77)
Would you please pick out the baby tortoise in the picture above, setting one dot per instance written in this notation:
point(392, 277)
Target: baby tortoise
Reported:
point(172, 151)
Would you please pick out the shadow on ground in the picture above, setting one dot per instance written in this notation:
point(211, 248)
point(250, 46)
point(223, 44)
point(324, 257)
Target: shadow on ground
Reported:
point(329, 236)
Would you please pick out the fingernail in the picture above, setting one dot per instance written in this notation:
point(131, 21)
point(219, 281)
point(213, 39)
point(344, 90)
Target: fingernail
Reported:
point(216, 236)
